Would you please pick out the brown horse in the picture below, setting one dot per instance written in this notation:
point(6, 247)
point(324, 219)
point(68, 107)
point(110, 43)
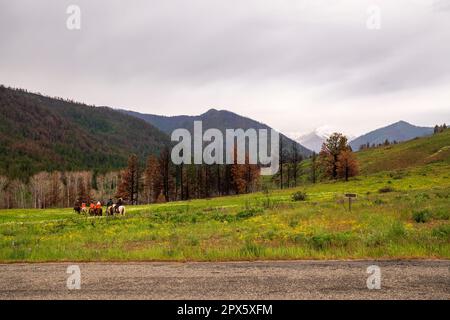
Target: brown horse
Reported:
point(95, 211)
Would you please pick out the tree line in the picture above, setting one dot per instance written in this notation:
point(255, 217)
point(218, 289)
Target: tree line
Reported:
point(159, 180)
point(336, 160)
point(439, 128)
point(162, 181)
point(57, 189)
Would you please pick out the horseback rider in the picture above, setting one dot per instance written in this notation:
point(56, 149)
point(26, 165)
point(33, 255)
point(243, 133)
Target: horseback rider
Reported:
point(118, 204)
point(77, 206)
point(110, 203)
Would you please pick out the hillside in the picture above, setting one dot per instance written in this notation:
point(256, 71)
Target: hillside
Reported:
point(42, 133)
point(220, 119)
point(399, 131)
point(420, 151)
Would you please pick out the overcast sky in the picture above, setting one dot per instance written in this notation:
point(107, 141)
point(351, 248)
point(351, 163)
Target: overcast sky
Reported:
point(293, 64)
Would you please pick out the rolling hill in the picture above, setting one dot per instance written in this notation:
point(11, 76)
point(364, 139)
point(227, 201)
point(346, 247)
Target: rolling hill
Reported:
point(220, 119)
point(399, 131)
point(417, 152)
point(41, 133)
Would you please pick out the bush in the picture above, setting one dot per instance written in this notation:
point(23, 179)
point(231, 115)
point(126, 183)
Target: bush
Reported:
point(421, 216)
point(251, 249)
point(299, 238)
point(397, 229)
point(442, 214)
point(386, 189)
point(442, 232)
point(270, 234)
point(379, 202)
point(397, 175)
point(248, 213)
point(376, 239)
point(222, 217)
point(320, 241)
point(299, 196)
point(324, 240)
point(192, 240)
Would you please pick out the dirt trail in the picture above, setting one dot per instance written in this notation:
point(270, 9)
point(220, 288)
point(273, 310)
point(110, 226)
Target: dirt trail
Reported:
point(230, 280)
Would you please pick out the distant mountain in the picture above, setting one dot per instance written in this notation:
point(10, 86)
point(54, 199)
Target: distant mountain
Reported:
point(312, 141)
point(219, 119)
point(316, 138)
point(399, 131)
point(39, 133)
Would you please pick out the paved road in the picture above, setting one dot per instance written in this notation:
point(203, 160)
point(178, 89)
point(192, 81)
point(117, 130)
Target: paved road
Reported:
point(233, 280)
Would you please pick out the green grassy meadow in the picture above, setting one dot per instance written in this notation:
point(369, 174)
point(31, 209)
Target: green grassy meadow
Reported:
point(402, 211)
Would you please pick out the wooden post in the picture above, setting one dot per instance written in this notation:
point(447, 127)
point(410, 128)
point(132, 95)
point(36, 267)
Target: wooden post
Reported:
point(350, 196)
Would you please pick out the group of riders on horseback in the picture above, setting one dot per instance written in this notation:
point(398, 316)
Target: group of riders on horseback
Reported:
point(96, 209)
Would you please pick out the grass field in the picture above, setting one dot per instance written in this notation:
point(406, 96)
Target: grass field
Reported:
point(402, 211)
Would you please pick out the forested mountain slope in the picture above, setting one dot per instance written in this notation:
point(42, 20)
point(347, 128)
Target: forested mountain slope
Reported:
point(219, 119)
point(42, 133)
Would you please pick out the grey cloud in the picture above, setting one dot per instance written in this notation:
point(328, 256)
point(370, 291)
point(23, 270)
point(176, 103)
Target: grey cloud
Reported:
point(167, 48)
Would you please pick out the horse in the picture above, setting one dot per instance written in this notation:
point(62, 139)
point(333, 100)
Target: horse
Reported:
point(85, 210)
point(77, 209)
point(95, 211)
point(112, 210)
point(121, 210)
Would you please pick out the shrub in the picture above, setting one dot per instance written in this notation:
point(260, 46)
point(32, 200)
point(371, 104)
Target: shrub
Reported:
point(299, 238)
point(252, 249)
point(378, 202)
point(341, 239)
point(270, 234)
point(386, 189)
point(375, 239)
point(222, 216)
point(397, 229)
point(299, 196)
point(323, 240)
point(421, 216)
point(443, 232)
point(193, 241)
point(442, 214)
point(397, 175)
point(247, 213)
point(320, 241)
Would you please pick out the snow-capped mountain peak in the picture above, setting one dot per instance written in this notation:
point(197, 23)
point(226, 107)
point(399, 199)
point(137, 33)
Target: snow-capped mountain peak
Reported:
point(316, 138)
